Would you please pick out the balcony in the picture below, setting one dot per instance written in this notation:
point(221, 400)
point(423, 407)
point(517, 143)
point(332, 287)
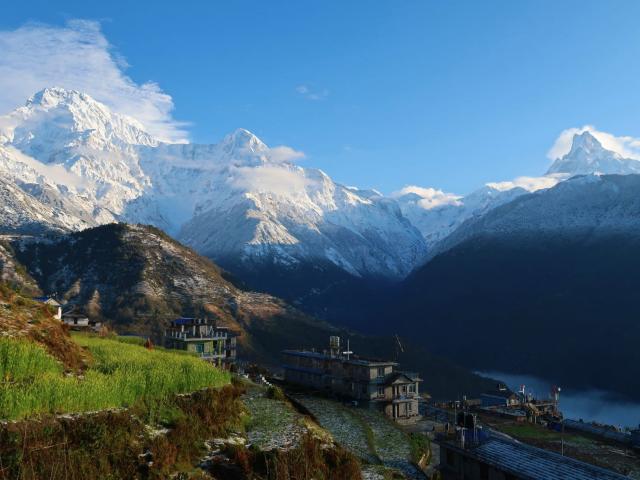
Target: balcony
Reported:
point(189, 336)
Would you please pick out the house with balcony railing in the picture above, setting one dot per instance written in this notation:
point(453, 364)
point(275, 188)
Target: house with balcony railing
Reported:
point(374, 381)
point(203, 337)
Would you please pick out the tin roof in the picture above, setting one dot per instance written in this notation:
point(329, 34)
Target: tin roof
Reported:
point(353, 360)
point(183, 321)
point(531, 463)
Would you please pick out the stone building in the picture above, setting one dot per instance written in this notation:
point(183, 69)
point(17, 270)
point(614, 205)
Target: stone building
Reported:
point(368, 380)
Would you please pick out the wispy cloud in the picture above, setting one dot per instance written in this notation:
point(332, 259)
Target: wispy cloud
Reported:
point(429, 198)
point(284, 154)
point(530, 184)
point(78, 56)
point(628, 147)
point(274, 179)
point(312, 94)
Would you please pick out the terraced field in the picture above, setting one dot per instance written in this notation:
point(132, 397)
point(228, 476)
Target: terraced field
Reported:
point(364, 432)
point(274, 424)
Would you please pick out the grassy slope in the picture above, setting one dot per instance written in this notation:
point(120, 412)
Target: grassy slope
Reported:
point(118, 375)
point(24, 319)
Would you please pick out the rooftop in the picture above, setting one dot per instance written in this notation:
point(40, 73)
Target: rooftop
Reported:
point(533, 463)
point(353, 359)
point(49, 300)
point(499, 393)
point(410, 376)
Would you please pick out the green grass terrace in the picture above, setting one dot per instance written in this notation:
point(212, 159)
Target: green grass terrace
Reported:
point(119, 374)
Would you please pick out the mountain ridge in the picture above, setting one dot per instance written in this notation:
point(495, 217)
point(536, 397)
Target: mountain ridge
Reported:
point(103, 167)
point(135, 278)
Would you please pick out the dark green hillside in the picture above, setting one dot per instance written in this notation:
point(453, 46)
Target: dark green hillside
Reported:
point(321, 289)
point(563, 308)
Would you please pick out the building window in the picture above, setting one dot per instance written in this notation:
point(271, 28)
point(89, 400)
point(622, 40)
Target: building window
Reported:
point(484, 471)
point(200, 347)
point(450, 458)
point(409, 407)
point(412, 388)
point(380, 371)
point(381, 391)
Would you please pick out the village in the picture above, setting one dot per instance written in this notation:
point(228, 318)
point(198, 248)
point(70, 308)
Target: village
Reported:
point(500, 435)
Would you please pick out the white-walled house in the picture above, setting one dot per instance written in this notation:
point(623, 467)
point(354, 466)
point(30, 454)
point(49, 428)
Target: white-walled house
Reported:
point(53, 303)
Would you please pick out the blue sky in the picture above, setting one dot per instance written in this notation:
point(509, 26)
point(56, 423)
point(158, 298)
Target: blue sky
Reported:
point(449, 94)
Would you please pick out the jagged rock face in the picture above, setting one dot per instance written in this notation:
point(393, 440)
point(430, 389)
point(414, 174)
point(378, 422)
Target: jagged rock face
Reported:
point(76, 164)
point(587, 156)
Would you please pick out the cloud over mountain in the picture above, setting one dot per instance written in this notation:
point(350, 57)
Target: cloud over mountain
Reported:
point(79, 57)
point(626, 146)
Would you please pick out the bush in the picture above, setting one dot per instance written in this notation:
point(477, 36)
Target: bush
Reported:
point(116, 444)
point(420, 445)
point(276, 393)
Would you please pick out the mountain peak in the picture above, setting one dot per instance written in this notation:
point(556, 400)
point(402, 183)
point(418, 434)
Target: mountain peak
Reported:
point(242, 145)
point(585, 141)
point(587, 157)
point(54, 96)
point(55, 118)
point(242, 138)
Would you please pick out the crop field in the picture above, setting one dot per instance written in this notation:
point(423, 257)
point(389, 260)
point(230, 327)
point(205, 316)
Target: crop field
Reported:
point(273, 423)
point(366, 433)
point(347, 429)
point(32, 382)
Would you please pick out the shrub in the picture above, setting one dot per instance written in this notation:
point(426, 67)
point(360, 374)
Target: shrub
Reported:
point(276, 393)
point(420, 445)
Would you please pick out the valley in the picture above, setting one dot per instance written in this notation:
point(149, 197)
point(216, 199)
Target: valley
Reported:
point(455, 276)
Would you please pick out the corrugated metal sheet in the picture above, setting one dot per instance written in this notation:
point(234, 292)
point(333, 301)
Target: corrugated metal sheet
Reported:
point(535, 463)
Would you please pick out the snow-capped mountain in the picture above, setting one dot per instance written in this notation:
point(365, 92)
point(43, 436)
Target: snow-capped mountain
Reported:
point(588, 156)
point(588, 205)
point(437, 222)
point(438, 215)
point(67, 162)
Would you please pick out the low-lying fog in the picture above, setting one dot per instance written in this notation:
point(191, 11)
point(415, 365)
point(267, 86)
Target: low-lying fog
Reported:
point(588, 405)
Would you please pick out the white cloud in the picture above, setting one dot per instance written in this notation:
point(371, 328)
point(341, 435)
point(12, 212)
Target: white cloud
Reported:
point(628, 147)
point(79, 57)
point(429, 197)
point(531, 184)
point(275, 179)
point(311, 94)
point(283, 153)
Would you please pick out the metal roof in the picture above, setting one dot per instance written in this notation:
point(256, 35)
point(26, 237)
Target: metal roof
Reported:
point(183, 321)
point(354, 361)
point(389, 379)
point(533, 463)
point(499, 394)
point(49, 300)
